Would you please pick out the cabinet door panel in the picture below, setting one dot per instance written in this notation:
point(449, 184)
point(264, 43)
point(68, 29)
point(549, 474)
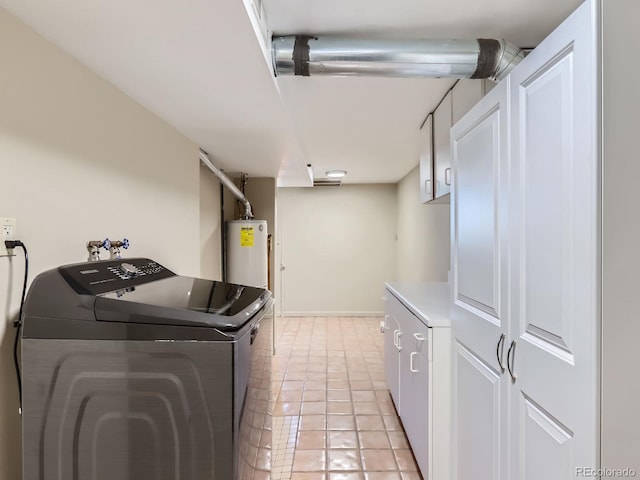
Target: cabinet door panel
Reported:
point(555, 252)
point(478, 417)
point(479, 225)
point(480, 314)
point(415, 389)
point(442, 146)
point(477, 240)
point(391, 357)
point(548, 444)
point(546, 129)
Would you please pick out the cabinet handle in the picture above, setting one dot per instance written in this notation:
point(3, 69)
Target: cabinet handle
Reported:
point(418, 336)
point(395, 337)
point(414, 370)
point(385, 299)
point(384, 326)
point(399, 344)
point(447, 176)
point(511, 360)
point(427, 186)
point(499, 352)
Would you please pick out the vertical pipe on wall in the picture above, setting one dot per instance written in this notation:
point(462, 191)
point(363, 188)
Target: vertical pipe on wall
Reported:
point(227, 182)
point(223, 236)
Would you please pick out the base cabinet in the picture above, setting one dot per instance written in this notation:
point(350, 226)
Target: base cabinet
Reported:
point(415, 386)
point(417, 368)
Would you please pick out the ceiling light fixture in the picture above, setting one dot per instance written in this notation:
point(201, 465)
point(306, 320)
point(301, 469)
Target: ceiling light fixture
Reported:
point(335, 173)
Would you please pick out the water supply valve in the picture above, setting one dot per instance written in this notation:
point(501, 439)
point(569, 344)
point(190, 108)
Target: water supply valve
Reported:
point(94, 249)
point(115, 246)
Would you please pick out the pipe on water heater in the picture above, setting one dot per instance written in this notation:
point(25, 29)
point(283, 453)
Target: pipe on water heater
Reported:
point(227, 182)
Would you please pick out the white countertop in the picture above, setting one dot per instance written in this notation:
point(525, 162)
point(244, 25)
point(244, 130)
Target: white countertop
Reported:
point(430, 302)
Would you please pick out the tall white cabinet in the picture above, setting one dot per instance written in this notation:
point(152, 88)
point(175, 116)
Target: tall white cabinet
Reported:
point(543, 253)
point(480, 288)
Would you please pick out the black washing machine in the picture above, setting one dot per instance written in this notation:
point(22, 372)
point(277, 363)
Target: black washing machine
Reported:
point(132, 372)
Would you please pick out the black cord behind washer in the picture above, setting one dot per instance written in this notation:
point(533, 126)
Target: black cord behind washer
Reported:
point(11, 244)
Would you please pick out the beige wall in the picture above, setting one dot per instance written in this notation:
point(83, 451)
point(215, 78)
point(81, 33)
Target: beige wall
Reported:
point(79, 161)
point(210, 226)
point(423, 234)
point(338, 246)
point(262, 193)
point(620, 238)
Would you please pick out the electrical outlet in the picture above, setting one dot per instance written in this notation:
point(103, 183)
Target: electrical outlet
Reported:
point(8, 231)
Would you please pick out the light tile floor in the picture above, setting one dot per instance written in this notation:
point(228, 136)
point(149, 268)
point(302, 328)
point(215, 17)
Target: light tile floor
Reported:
point(333, 417)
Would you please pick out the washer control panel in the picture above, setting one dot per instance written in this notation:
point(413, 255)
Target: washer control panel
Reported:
point(95, 278)
point(129, 270)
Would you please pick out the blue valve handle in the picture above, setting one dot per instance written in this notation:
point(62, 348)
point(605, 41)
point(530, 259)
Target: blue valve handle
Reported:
point(108, 244)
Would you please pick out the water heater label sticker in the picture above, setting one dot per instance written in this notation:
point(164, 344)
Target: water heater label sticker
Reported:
point(246, 237)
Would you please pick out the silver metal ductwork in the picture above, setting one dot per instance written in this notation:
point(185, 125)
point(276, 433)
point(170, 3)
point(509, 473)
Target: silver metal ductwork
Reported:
point(227, 182)
point(308, 55)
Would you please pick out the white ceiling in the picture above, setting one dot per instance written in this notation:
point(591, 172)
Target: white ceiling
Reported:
point(199, 65)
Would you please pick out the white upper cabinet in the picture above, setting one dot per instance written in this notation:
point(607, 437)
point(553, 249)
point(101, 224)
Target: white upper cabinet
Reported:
point(426, 160)
point(435, 139)
point(442, 121)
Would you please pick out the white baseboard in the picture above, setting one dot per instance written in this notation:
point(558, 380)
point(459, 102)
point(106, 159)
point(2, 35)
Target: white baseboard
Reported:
point(331, 314)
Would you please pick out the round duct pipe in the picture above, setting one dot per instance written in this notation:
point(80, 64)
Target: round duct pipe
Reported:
point(308, 55)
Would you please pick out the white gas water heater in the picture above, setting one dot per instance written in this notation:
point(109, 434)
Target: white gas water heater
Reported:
point(247, 252)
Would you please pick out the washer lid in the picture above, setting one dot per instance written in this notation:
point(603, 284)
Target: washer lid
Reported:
point(181, 300)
